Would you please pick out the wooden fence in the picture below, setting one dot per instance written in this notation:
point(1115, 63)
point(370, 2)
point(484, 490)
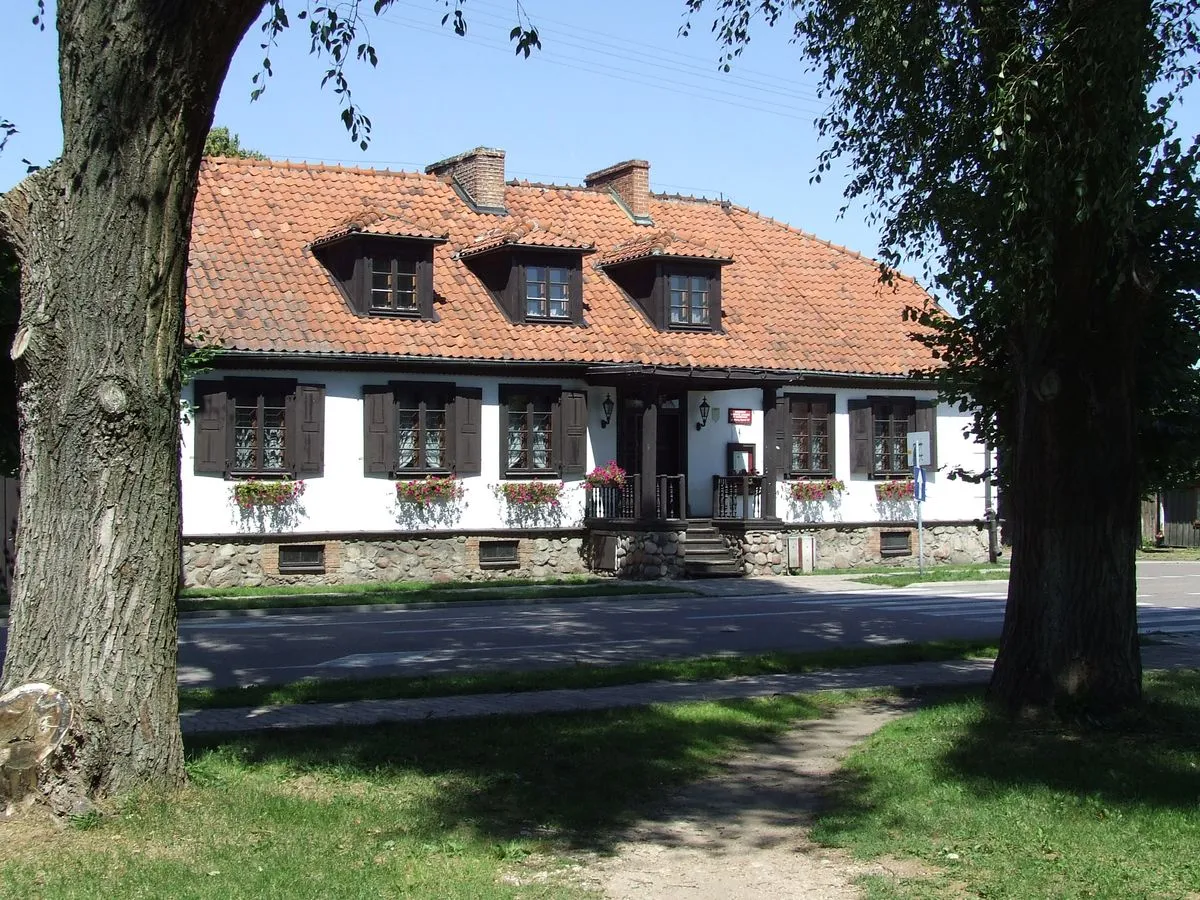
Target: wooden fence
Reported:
point(1181, 518)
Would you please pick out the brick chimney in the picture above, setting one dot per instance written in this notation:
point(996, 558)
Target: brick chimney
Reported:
point(478, 175)
point(631, 182)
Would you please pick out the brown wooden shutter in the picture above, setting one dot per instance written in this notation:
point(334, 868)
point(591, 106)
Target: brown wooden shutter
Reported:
point(212, 428)
point(925, 419)
point(778, 457)
point(468, 430)
point(379, 430)
point(861, 458)
point(574, 422)
point(306, 430)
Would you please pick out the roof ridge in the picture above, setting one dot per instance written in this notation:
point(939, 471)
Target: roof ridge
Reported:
point(314, 166)
point(548, 185)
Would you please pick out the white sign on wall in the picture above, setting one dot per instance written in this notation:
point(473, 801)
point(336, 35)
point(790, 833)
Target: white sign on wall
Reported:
point(918, 448)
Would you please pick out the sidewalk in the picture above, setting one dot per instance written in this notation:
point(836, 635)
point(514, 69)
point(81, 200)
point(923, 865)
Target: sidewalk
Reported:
point(1182, 651)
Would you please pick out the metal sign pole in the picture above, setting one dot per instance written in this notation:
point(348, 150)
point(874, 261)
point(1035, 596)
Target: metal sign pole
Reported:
point(920, 541)
point(919, 497)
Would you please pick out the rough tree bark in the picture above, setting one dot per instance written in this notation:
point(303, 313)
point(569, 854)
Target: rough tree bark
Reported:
point(103, 235)
point(1070, 638)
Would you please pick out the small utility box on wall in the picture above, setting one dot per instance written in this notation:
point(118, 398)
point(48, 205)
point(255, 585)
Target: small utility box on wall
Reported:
point(802, 552)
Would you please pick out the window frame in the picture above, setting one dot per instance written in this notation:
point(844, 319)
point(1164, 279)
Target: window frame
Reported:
point(830, 418)
point(259, 388)
point(547, 299)
point(711, 274)
point(425, 391)
point(301, 568)
point(393, 260)
point(510, 561)
point(902, 411)
point(890, 552)
point(551, 395)
point(518, 301)
point(692, 290)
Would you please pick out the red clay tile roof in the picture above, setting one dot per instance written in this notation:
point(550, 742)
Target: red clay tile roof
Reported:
point(528, 233)
point(789, 300)
point(659, 243)
point(376, 221)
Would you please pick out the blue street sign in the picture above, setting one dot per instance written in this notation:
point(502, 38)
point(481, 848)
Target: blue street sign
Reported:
point(918, 484)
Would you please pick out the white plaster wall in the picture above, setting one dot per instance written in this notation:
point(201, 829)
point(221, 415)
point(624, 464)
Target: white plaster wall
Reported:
point(706, 447)
point(344, 500)
point(948, 500)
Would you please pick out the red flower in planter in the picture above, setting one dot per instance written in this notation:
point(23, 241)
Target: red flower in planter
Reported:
point(430, 489)
point(895, 490)
point(816, 491)
point(251, 494)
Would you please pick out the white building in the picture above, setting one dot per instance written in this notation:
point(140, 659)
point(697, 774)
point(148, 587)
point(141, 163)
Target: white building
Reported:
point(381, 332)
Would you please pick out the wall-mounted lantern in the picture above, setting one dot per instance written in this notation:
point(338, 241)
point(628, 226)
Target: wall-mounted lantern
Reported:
point(607, 407)
point(704, 410)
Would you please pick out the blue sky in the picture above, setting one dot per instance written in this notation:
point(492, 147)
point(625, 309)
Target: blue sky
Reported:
point(613, 82)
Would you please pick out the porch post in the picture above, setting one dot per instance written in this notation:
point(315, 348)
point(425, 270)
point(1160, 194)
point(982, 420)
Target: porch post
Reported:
point(772, 452)
point(648, 504)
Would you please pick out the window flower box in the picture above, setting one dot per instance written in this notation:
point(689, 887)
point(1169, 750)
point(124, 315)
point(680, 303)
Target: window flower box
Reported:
point(252, 494)
point(894, 490)
point(607, 475)
point(430, 489)
point(531, 494)
point(816, 491)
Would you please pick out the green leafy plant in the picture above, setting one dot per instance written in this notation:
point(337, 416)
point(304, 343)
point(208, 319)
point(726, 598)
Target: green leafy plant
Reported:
point(816, 491)
point(894, 490)
point(531, 493)
point(607, 475)
point(257, 494)
point(430, 489)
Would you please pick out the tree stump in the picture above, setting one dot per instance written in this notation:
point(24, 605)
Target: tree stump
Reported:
point(34, 719)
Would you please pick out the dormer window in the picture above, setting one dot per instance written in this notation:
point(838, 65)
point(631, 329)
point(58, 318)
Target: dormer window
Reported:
point(382, 265)
point(547, 292)
point(689, 301)
point(394, 286)
point(675, 283)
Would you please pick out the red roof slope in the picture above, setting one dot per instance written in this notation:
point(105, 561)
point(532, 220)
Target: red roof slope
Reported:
point(789, 300)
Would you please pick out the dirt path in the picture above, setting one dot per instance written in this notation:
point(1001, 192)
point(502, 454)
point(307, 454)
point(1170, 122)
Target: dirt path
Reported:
point(743, 833)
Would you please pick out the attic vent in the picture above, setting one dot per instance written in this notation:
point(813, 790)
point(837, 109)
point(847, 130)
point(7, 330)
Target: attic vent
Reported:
point(478, 176)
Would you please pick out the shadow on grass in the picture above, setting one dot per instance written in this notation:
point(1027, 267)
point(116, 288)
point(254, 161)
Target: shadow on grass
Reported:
point(958, 755)
point(572, 778)
point(1143, 757)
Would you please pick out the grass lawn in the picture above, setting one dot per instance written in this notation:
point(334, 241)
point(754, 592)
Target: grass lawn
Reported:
point(1036, 809)
point(705, 668)
point(442, 810)
point(905, 577)
point(1170, 554)
point(300, 596)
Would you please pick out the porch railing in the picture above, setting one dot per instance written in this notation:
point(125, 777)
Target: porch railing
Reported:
point(670, 496)
point(613, 502)
point(737, 496)
point(624, 502)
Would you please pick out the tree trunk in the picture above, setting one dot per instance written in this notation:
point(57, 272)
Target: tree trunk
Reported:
point(1070, 637)
point(103, 237)
point(1070, 628)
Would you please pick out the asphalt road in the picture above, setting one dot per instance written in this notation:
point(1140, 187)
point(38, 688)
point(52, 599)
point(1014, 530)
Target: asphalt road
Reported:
point(734, 615)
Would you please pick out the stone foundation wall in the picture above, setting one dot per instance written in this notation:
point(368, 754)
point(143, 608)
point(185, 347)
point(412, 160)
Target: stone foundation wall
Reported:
point(251, 562)
point(765, 552)
point(643, 554)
